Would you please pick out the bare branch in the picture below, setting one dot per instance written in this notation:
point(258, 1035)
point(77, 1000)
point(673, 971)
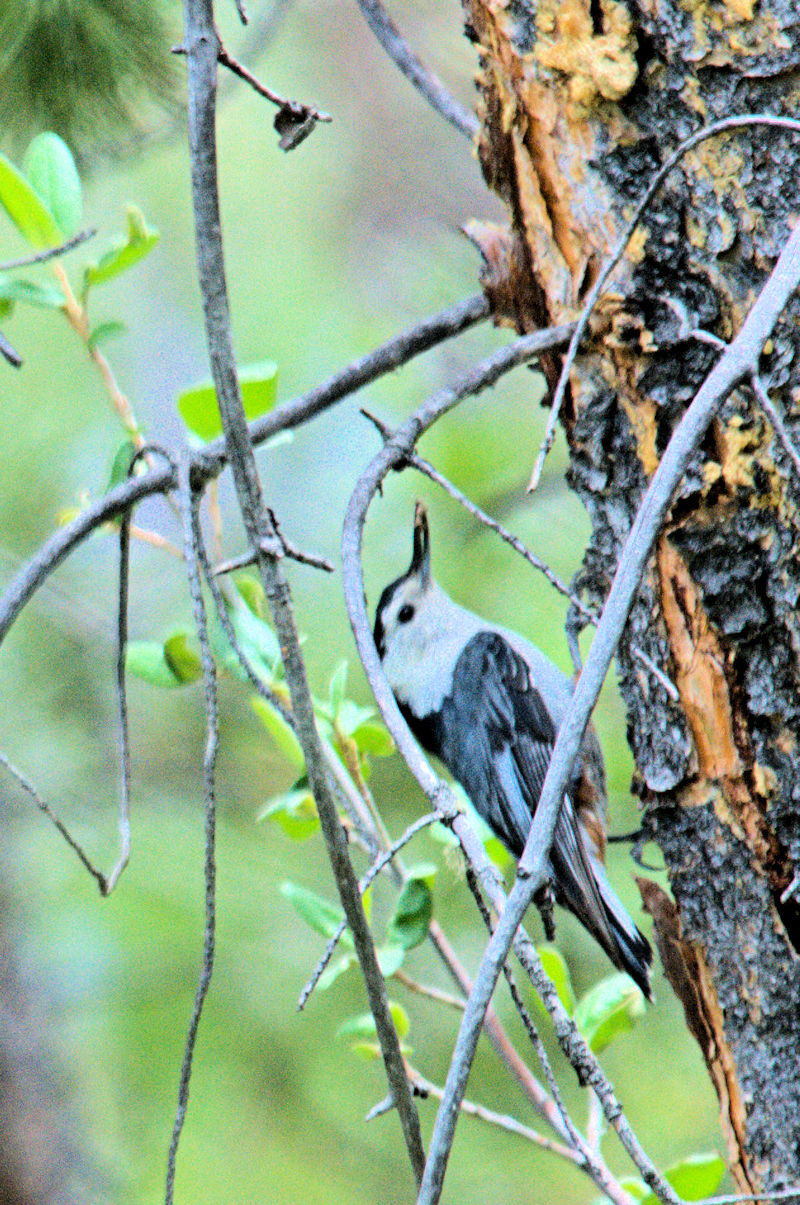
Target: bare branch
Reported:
point(9, 353)
point(774, 416)
point(426, 83)
point(58, 824)
point(42, 257)
point(717, 127)
point(191, 531)
point(503, 1121)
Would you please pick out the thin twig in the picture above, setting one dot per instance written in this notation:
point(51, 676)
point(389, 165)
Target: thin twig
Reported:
point(122, 698)
point(774, 416)
point(456, 1003)
point(374, 870)
point(58, 824)
point(9, 352)
point(780, 1194)
point(503, 1121)
point(42, 257)
point(717, 127)
point(191, 526)
point(424, 80)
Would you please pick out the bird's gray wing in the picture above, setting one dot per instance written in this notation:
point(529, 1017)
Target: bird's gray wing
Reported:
point(497, 736)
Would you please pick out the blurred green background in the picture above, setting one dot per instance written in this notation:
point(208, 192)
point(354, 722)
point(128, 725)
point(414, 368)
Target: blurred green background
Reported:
point(331, 249)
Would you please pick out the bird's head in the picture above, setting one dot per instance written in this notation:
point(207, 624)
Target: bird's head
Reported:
point(405, 601)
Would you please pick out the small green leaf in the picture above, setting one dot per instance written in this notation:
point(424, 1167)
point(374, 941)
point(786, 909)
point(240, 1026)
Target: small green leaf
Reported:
point(558, 973)
point(334, 970)
point(121, 463)
point(390, 958)
point(372, 737)
point(256, 637)
point(6, 307)
point(295, 812)
point(27, 211)
point(139, 242)
point(350, 715)
point(280, 731)
point(412, 916)
point(49, 166)
point(145, 659)
point(370, 1051)
point(198, 404)
point(251, 593)
point(105, 331)
point(45, 296)
point(363, 1026)
point(610, 1008)
point(696, 1176)
point(323, 917)
point(184, 662)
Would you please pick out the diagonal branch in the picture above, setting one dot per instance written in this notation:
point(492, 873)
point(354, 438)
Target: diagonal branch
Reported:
point(425, 81)
point(739, 360)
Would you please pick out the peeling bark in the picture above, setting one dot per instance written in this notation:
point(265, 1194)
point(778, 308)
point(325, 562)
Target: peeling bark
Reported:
point(582, 102)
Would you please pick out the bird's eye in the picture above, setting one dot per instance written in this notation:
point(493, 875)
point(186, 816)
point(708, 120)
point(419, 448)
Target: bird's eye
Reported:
point(405, 614)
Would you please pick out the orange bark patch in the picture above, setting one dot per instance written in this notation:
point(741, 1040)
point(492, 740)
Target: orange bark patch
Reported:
point(688, 975)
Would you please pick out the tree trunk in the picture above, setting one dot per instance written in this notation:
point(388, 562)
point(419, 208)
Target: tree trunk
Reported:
point(583, 102)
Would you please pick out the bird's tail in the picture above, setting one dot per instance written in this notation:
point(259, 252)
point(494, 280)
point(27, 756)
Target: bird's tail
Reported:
point(581, 882)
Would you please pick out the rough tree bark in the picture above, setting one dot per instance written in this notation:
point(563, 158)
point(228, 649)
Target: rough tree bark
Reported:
point(583, 100)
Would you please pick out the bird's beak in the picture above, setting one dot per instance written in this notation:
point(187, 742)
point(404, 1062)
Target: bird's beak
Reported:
point(421, 557)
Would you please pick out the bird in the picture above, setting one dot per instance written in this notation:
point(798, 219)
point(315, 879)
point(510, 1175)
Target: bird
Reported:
point(487, 703)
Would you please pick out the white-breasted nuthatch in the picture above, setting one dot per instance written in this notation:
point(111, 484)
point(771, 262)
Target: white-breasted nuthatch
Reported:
point(488, 704)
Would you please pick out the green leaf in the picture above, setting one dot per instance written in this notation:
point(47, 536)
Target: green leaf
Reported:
point(105, 331)
point(49, 166)
point(198, 404)
point(257, 639)
point(121, 463)
point(373, 737)
point(184, 662)
point(6, 307)
point(145, 659)
point(334, 970)
point(323, 917)
point(390, 958)
point(696, 1176)
point(412, 916)
point(558, 974)
point(45, 296)
point(295, 812)
point(608, 1009)
point(251, 592)
point(280, 731)
point(363, 1026)
point(139, 241)
point(24, 206)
